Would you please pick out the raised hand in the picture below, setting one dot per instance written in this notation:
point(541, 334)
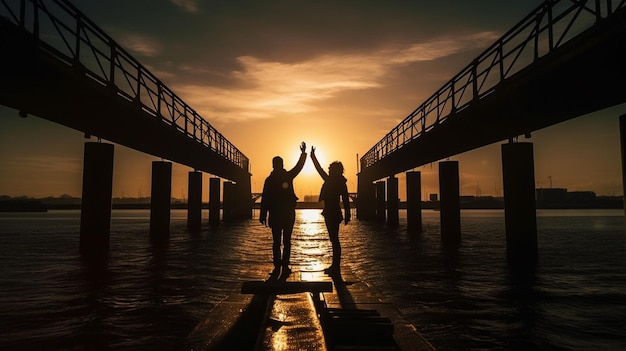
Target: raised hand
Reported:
point(303, 147)
point(312, 150)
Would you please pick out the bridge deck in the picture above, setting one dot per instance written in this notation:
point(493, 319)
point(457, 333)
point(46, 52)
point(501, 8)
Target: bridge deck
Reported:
point(584, 75)
point(38, 83)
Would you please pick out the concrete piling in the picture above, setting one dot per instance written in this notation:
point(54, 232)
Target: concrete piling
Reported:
point(622, 134)
point(519, 203)
point(381, 204)
point(243, 208)
point(194, 201)
point(214, 201)
point(161, 199)
point(228, 201)
point(393, 202)
point(366, 200)
point(95, 215)
point(450, 202)
point(414, 201)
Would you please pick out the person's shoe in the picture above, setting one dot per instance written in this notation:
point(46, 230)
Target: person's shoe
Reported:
point(274, 274)
point(332, 269)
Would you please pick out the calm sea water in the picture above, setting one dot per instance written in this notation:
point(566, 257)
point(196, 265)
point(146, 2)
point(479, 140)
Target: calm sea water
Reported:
point(149, 296)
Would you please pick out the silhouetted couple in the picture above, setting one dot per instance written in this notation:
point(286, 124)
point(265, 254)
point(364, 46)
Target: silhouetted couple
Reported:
point(279, 199)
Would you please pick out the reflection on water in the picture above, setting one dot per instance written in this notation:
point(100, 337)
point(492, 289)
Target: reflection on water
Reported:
point(311, 247)
point(467, 298)
point(150, 295)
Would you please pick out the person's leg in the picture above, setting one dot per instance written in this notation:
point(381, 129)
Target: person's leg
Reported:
point(287, 239)
point(336, 250)
point(333, 234)
point(276, 236)
point(286, 247)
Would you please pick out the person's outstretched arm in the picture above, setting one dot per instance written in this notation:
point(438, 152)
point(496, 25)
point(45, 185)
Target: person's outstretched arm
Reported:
point(319, 168)
point(298, 167)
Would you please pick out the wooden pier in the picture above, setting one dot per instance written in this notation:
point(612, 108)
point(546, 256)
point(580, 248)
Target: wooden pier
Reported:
point(306, 311)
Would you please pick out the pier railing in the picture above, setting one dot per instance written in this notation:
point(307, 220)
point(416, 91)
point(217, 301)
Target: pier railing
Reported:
point(72, 38)
point(546, 28)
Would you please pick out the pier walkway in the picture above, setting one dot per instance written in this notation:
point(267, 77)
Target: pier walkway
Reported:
point(352, 316)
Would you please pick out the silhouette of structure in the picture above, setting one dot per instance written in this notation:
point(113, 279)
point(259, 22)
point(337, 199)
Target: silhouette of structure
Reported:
point(58, 65)
point(563, 60)
point(80, 77)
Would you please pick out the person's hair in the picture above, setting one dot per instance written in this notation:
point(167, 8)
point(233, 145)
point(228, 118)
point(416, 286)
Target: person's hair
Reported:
point(277, 162)
point(335, 168)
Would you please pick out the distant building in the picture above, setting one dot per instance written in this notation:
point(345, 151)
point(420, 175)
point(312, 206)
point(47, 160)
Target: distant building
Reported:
point(551, 198)
point(582, 199)
point(561, 198)
point(311, 198)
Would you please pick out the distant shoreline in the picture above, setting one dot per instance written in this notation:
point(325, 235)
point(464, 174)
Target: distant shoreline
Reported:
point(39, 206)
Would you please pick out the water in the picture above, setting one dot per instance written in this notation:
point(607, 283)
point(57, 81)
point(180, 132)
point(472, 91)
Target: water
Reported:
point(151, 295)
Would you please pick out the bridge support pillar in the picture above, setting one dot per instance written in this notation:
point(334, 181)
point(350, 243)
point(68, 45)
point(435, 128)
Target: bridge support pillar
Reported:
point(414, 201)
point(161, 199)
point(520, 212)
point(214, 201)
point(229, 201)
point(243, 207)
point(450, 202)
point(381, 205)
point(393, 202)
point(95, 214)
point(622, 132)
point(365, 200)
point(194, 201)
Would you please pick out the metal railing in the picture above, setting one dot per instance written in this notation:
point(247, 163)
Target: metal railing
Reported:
point(546, 28)
point(72, 38)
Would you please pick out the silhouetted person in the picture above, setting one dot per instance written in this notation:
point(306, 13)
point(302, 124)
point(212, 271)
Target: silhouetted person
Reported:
point(279, 200)
point(333, 191)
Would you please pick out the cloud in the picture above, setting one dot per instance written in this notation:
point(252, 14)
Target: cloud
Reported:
point(187, 5)
point(140, 44)
point(47, 164)
point(439, 48)
point(270, 88)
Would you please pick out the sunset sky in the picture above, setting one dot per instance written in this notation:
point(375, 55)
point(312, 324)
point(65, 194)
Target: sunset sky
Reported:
point(336, 74)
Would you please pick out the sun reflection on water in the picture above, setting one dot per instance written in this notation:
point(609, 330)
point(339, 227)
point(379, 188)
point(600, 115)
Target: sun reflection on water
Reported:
point(311, 249)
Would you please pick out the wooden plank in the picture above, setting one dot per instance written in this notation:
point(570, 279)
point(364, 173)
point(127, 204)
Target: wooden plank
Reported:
point(353, 297)
point(292, 325)
point(283, 287)
point(233, 324)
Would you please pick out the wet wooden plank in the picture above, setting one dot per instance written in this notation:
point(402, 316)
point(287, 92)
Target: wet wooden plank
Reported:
point(285, 315)
point(353, 297)
point(233, 324)
point(285, 287)
point(292, 325)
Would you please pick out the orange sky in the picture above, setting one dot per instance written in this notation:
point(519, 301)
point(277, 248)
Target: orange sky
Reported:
point(337, 75)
